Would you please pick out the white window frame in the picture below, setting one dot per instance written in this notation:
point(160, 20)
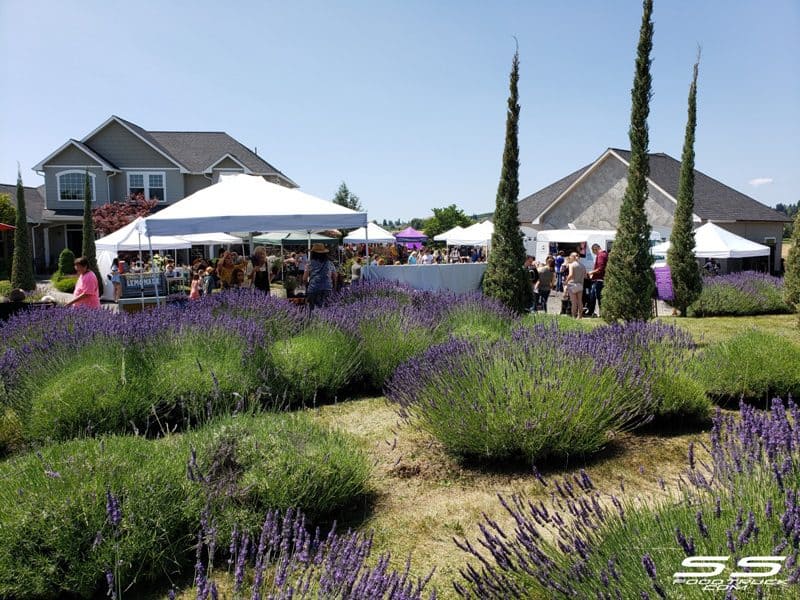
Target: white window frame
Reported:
point(146, 181)
point(79, 172)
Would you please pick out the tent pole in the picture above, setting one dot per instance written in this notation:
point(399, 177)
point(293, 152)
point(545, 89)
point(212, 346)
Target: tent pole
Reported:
point(366, 239)
point(141, 272)
point(150, 246)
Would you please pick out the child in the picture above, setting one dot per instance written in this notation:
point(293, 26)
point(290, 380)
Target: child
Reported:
point(208, 281)
point(194, 293)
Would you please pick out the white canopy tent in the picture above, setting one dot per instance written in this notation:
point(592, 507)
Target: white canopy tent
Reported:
point(249, 203)
point(712, 241)
point(479, 234)
point(207, 239)
point(373, 234)
point(443, 237)
point(130, 239)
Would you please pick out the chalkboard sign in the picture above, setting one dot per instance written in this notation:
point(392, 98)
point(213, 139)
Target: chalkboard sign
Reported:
point(135, 285)
point(664, 283)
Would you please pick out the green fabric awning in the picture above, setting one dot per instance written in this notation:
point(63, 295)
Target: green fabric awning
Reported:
point(291, 238)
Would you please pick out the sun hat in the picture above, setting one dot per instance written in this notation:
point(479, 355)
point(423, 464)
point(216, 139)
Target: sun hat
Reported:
point(320, 248)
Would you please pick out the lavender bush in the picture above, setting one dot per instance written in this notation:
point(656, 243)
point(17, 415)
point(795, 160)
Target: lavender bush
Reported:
point(547, 392)
point(754, 364)
point(739, 294)
point(742, 500)
point(62, 533)
point(288, 561)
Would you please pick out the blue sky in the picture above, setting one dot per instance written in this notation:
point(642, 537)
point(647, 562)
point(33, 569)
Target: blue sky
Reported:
point(405, 101)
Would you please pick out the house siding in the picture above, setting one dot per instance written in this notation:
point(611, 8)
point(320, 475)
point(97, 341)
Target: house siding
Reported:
point(194, 183)
point(125, 150)
point(228, 163)
point(51, 188)
point(72, 157)
point(596, 201)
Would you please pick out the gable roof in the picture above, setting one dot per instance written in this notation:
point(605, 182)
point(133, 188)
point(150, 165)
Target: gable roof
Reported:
point(713, 200)
point(107, 166)
point(34, 200)
point(201, 150)
point(530, 207)
point(197, 151)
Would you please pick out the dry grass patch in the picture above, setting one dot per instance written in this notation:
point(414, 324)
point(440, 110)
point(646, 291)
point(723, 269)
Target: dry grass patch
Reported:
point(708, 330)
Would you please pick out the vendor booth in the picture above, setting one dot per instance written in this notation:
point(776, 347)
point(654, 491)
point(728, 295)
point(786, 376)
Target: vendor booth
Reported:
point(129, 239)
point(411, 238)
point(371, 234)
point(735, 252)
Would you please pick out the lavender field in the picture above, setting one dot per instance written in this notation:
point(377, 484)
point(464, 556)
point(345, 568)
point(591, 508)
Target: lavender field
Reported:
point(207, 449)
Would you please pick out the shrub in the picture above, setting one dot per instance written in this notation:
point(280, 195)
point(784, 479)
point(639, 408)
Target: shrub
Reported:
point(65, 283)
point(754, 365)
point(57, 536)
point(320, 361)
point(544, 392)
point(58, 522)
point(478, 316)
point(66, 262)
point(739, 294)
point(277, 461)
point(110, 388)
point(744, 503)
point(5, 287)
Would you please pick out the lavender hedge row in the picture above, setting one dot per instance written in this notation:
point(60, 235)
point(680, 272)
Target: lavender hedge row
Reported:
point(739, 294)
point(547, 392)
point(739, 498)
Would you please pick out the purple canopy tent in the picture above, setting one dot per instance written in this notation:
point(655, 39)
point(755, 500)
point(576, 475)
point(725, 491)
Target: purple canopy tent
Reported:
point(410, 237)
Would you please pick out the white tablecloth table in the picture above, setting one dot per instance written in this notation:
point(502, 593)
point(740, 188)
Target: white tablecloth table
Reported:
point(460, 278)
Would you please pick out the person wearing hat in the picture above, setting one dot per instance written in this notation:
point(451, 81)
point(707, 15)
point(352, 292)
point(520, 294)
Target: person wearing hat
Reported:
point(318, 276)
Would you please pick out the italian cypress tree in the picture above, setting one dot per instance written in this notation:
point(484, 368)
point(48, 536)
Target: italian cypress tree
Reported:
point(21, 261)
point(791, 284)
point(88, 248)
point(505, 277)
point(629, 282)
point(686, 280)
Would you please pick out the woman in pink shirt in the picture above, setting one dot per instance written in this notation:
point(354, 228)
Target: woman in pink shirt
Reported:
point(86, 289)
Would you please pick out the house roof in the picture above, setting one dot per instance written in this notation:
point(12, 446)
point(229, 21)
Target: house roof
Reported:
point(200, 150)
point(191, 151)
point(713, 200)
point(34, 200)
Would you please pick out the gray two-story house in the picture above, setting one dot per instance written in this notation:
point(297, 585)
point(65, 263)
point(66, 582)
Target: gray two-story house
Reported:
point(123, 159)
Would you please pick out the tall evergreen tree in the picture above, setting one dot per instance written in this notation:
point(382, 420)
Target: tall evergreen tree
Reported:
point(629, 282)
point(21, 262)
point(88, 248)
point(344, 197)
point(791, 287)
point(687, 282)
point(505, 277)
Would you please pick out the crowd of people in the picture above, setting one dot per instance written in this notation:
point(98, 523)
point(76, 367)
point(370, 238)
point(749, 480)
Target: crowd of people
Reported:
point(581, 288)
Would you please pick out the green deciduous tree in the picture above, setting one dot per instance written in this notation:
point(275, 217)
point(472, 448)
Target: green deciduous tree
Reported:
point(505, 277)
point(629, 282)
point(22, 263)
point(88, 248)
point(446, 218)
point(791, 288)
point(687, 282)
point(344, 197)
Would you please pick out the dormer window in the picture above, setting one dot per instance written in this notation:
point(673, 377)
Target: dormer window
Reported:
point(71, 185)
point(150, 184)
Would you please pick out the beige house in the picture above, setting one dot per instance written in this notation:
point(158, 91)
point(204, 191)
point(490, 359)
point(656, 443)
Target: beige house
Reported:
point(590, 198)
